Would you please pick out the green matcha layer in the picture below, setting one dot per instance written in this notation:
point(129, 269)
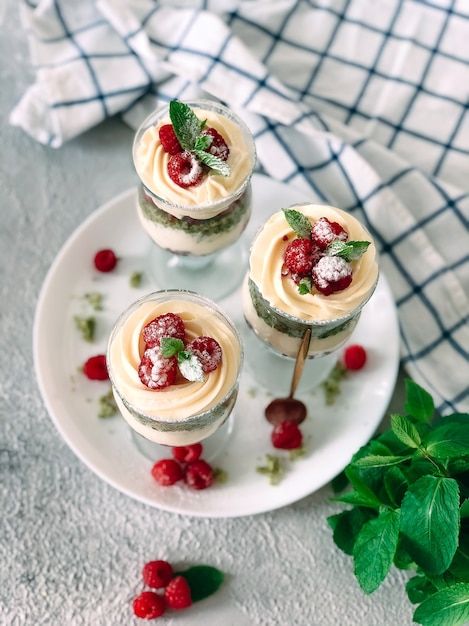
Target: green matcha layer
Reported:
point(290, 327)
point(237, 212)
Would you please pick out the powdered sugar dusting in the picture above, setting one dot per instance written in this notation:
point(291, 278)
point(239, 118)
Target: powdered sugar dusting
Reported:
point(331, 269)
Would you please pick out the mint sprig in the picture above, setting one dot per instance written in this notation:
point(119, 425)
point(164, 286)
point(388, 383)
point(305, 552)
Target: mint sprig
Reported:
point(203, 580)
point(188, 129)
point(189, 365)
point(299, 223)
point(409, 509)
point(347, 250)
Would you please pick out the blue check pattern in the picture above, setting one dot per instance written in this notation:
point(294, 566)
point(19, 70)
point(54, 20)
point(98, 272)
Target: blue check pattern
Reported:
point(361, 104)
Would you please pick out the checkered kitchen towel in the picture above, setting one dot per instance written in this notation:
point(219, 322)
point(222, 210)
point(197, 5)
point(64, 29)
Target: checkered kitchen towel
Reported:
point(362, 103)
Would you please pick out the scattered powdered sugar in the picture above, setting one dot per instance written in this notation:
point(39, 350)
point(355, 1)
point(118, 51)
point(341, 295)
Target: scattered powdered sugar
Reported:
point(331, 269)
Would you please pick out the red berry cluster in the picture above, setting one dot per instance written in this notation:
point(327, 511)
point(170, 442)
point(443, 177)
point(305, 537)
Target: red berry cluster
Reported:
point(157, 371)
point(306, 258)
point(184, 168)
point(176, 591)
point(185, 465)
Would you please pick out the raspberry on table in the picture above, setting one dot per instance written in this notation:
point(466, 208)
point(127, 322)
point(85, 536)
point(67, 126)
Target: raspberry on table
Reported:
point(354, 357)
point(218, 147)
point(166, 472)
point(199, 474)
point(105, 260)
point(185, 170)
point(300, 256)
point(178, 593)
point(168, 139)
point(286, 436)
point(187, 454)
point(324, 232)
point(166, 325)
point(149, 605)
point(156, 371)
point(208, 351)
point(95, 368)
point(157, 574)
point(331, 274)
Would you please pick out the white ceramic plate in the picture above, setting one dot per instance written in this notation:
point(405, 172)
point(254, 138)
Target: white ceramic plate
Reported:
point(332, 433)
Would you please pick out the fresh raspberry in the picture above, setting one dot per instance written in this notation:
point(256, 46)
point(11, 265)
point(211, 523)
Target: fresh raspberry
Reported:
point(286, 436)
point(156, 371)
point(178, 593)
point(324, 232)
point(300, 256)
point(187, 454)
point(149, 605)
point(354, 357)
point(167, 325)
point(166, 472)
point(105, 260)
point(168, 139)
point(208, 351)
point(199, 474)
point(331, 274)
point(95, 368)
point(218, 147)
point(185, 169)
point(157, 574)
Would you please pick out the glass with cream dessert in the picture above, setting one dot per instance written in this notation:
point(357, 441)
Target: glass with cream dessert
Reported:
point(195, 161)
point(174, 361)
point(311, 266)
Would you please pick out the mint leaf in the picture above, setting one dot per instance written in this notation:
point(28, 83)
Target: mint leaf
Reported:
point(464, 510)
point(305, 285)
point(170, 346)
point(430, 522)
point(186, 124)
point(404, 430)
point(359, 499)
point(215, 163)
point(448, 441)
point(396, 485)
point(418, 588)
point(374, 550)
point(347, 250)
point(203, 580)
point(203, 142)
point(419, 402)
point(190, 367)
point(376, 460)
point(447, 607)
point(347, 525)
point(298, 223)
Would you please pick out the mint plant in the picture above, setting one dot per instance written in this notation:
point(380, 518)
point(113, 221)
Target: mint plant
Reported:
point(410, 509)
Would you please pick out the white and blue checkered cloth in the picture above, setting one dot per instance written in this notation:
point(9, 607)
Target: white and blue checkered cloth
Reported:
point(363, 103)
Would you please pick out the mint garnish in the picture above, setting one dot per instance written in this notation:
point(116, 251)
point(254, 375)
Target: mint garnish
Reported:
point(170, 346)
point(190, 366)
point(305, 285)
point(347, 250)
point(188, 129)
point(298, 222)
point(203, 580)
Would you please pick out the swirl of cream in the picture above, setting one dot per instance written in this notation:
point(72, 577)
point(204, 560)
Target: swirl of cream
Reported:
point(151, 163)
point(266, 261)
point(183, 399)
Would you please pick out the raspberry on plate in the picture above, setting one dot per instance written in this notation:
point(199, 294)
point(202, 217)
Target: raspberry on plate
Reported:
point(149, 605)
point(300, 256)
point(187, 454)
point(178, 593)
point(354, 357)
point(95, 368)
point(199, 474)
point(105, 260)
point(166, 472)
point(166, 325)
point(156, 371)
point(218, 147)
point(324, 232)
point(168, 139)
point(208, 351)
point(286, 436)
point(331, 274)
point(157, 574)
point(185, 170)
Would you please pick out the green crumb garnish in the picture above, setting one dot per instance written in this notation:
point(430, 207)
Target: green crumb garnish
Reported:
point(95, 299)
point(136, 279)
point(252, 392)
point(331, 385)
point(273, 469)
point(297, 453)
point(107, 405)
point(86, 326)
point(220, 475)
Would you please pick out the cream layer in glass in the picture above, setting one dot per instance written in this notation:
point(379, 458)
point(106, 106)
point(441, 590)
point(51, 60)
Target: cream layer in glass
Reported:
point(275, 309)
point(185, 412)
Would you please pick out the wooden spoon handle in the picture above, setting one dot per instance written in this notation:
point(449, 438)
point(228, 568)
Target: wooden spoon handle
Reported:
point(300, 361)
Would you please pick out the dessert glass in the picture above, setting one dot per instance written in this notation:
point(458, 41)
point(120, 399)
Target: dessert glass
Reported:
point(196, 229)
point(185, 412)
point(279, 315)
